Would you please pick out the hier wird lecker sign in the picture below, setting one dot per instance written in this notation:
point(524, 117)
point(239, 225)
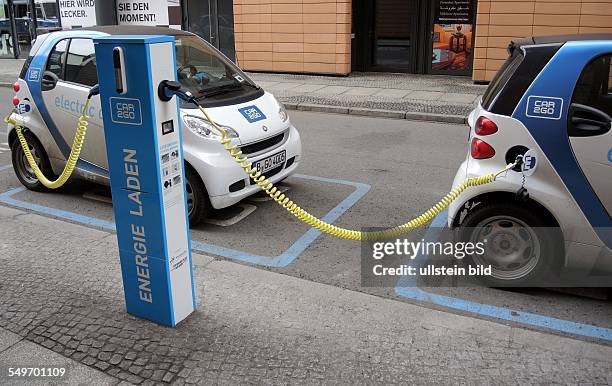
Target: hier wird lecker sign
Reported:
point(77, 13)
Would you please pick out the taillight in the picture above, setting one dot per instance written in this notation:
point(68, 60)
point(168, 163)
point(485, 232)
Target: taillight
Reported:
point(485, 126)
point(15, 101)
point(16, 86)
point(481, 150)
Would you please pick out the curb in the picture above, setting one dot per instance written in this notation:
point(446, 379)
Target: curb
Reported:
point(365, 112)
point(378, 113)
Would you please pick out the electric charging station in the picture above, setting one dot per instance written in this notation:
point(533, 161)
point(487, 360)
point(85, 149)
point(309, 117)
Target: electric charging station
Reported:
point(145, 158)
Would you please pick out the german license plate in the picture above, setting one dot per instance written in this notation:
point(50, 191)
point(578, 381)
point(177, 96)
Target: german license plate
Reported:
point(272, 162)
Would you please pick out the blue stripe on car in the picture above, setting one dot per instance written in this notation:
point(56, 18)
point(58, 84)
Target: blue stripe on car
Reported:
point(551, 135)
point(34, 84)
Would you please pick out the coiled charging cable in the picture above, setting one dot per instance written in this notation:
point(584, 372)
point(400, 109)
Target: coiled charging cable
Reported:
point(333, 230)
point(75, 151)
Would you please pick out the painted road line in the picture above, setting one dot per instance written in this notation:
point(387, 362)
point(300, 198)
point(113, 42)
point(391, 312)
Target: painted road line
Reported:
point(282, 260)
point(407, 288)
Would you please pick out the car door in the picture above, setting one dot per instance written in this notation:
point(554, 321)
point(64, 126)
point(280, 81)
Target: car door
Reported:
point(69, 75)
point(589, 126)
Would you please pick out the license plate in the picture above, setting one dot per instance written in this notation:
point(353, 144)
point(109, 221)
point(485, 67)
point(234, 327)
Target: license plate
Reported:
point(272, 162)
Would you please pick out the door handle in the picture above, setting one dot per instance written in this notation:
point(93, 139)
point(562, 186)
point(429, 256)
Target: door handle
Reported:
point(586, 121)
point(49, 81)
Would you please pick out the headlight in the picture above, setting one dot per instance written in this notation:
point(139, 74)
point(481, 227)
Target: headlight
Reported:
point(203, 128)
point(282, 112)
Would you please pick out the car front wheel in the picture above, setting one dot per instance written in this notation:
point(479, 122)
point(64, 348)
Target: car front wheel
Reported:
point(198, 203)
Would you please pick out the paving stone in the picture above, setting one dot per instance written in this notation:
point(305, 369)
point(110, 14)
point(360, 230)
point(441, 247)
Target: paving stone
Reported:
point(332, 90)
point(425, 95)
point(307, 88)
point(458, 97)
point(362, 91)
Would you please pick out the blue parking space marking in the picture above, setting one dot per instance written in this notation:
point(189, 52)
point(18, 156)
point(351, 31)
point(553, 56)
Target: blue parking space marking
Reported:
point(407, 288)
point(282, 260)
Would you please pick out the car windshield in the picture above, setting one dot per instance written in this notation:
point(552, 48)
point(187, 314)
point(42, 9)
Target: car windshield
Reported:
point(206, 72)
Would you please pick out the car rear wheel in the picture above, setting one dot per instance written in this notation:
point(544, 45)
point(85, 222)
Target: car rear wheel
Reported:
point(521, 247)
point(198, 203)
point(22, 168)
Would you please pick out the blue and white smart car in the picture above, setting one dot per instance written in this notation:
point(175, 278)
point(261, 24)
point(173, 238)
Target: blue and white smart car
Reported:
point(551, 102)
point(56, 79)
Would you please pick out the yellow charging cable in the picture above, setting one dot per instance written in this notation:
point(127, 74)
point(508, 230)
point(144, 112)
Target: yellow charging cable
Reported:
point(75, 151)
point(333, 230)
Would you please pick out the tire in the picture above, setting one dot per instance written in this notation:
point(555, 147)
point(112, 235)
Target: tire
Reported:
point(198, 203)
point(522, 248)
point(24, 173)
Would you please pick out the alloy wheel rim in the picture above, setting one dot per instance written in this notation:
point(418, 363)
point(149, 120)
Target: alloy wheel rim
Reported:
point(190, 197)
point(24, 167)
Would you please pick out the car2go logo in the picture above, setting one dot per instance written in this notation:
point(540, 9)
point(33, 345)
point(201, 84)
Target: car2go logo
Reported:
point(126, 111)
point(252, 114)
point(34, 74)
point(544, 107)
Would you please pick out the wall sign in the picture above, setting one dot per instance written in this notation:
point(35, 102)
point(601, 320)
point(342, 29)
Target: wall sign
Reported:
point(144, 12)
point(77, 13)
point(452, 31)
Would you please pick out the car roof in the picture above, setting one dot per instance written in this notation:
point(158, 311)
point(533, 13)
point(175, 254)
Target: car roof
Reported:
point(554, 39)
point(558, 39)
point(137, 30)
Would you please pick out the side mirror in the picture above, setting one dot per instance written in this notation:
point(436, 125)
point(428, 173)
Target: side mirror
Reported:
point(49, 81)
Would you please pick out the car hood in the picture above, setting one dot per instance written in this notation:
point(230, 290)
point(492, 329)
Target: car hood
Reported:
point(254, 120)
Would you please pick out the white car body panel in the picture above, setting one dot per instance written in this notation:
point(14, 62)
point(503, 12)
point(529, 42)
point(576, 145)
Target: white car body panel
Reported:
point(206, 155)
point(544, 186)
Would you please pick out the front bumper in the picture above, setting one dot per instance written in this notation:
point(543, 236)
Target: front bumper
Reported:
point(219, 171)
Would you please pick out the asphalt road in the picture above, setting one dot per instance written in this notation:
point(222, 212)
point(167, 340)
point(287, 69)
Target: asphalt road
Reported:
point(408, 165)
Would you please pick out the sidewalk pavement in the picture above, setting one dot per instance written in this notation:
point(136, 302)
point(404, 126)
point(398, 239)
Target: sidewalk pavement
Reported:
point(61, 288)
point(17, 352)
point(422, 97)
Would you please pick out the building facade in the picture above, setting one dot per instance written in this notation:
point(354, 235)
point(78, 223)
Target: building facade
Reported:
point(452, 37)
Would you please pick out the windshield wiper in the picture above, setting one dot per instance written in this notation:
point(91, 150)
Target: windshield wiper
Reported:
point(224, 88)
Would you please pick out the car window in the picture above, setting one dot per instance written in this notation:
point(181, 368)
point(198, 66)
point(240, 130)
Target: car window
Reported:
point(501, 78)
point(57, 58)
point(206, 72)
point(81, 63)
point(594, 87)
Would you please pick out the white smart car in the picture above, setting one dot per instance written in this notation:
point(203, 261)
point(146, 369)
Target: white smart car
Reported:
point(550, 102)
point(50, 105)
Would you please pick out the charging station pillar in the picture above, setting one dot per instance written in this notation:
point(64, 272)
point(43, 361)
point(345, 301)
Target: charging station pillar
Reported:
point(145, 160)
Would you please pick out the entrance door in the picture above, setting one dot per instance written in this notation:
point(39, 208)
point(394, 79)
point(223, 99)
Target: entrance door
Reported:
point(386, 35)
point(213, 20)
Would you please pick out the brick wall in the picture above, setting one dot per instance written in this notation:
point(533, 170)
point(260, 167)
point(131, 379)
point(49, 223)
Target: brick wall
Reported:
point(311, 36)
point(499, 21)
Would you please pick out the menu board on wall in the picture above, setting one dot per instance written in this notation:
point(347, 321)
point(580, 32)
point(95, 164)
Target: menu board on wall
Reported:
point(452, 35)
